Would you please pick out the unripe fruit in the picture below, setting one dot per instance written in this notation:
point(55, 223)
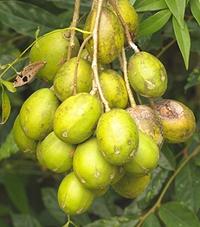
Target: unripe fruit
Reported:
point(37, 113)
point(131, 186)
point(54, 154)
point(100, 192)
point(145, 158)
point(178, 121)
point(114, 89)
point(147, 75)
point(73, 197)
point(64, 80)
point(147, 122)
point(119, 173)
point(117, 136)
point(52, 49)
point(110, 35)
point(76, 118)
point(90, 167)
point(23, 142)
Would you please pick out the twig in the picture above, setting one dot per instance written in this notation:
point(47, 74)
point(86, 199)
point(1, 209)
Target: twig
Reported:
point(73, 24)
point(158, 202)
point(97, 86)
point(165, 48)
point(128, 35)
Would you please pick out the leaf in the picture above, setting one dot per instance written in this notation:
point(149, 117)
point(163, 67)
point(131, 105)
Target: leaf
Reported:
point(2, 223)
point(154, 23)
point(195, 8)
point(24, 220)
point(183, 39)
point(149, 5)
point(167, 159)
point(193, 79)
point(9, 85)
point(100, 208)
point(177, 8)
point(173, 214)
point(5, 106)
point(151, 221)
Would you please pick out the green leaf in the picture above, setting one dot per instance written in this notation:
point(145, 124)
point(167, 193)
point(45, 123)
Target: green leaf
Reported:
point(5, 106)
point(177, 8)
point(2, 223)
point(100, 208)
point(183, 39)
point(193, 79)
point(151, 221)
point(149, 5)
point(167, 159)
point(9, 85)
point(154, 23)
point(23, 220)
point(173, 214)
point(195, 8)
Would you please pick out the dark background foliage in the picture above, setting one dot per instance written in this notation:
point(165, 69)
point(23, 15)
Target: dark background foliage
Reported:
point(170, 30)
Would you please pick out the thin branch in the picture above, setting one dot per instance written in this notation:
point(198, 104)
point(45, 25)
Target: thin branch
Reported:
point(165, 48)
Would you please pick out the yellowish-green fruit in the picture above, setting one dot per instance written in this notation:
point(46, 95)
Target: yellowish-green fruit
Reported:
point(23, 142)
point(73, 197)
point(54, 154)
point(64, 80)
point(119, 173)
point(37, 114)
point(178, 121)
point(52, 49)
point(76, 118)
point(147, 122)
point(147, 75)
point(146, 158)
point(131, 186)
point(117, 136)
point(100, 192)
point(90, 166)
point(110, 35)
point(114, 89)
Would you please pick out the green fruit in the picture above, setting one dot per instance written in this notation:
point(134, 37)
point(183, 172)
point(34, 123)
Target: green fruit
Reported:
point(131, 186)
point(90, 167)
point(117, 136)
point(54, 154)
point(146, 158)
point(63, 82)
point(37, 114)
point(100, 192)
point(23, 142)
point(147, 75)
point(110, 35)
point(178, 121)
point(76, 118)
point(114, 89)
point(147, 122)
point(119, 173)
point(73, 197)
point(52, 49)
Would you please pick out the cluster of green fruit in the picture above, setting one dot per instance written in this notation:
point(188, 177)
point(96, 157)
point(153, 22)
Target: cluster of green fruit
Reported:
point(71, 132)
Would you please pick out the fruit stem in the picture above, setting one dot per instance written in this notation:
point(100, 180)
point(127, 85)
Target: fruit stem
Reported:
point(125, 26)
point(97, 85)
point(73, 24)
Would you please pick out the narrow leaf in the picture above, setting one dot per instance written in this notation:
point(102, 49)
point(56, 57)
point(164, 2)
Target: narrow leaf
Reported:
point(167, 159)
point(9, 85)
point(149, 5)
point(22, 220)
point(5, 106)
point(183, 39)
point(151, 221)
point(195, 8)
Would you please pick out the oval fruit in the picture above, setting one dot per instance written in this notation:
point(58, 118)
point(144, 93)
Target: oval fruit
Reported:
point(76, 118)
point(73, 197)
point(52, 49)
point(110, 35)
point(145, 158)
point(147, 75)
point(117, 136)
point(55, 155)
point(178, 121)
point(119, 173)
point(63, 82)
point(114, 89)
point(37, 114)
point(131, 186)
point(100, 192)
point(90, 167)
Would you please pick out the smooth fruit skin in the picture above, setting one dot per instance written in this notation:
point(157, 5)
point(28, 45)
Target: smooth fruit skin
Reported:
point(55, 155)
point(73, 197)
point(145, 158)
point(147, 75)
point(119, 173)
point(147, 122)
point(100, 192)
point(52, 49)
point(90, 166)
point(76, 118)
point(177, 120)
point(114, 89)
point(37, 113)
point(117, 136)
point(110, 35)
point(23, 142)
point(63, 82)
point(131, 186)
